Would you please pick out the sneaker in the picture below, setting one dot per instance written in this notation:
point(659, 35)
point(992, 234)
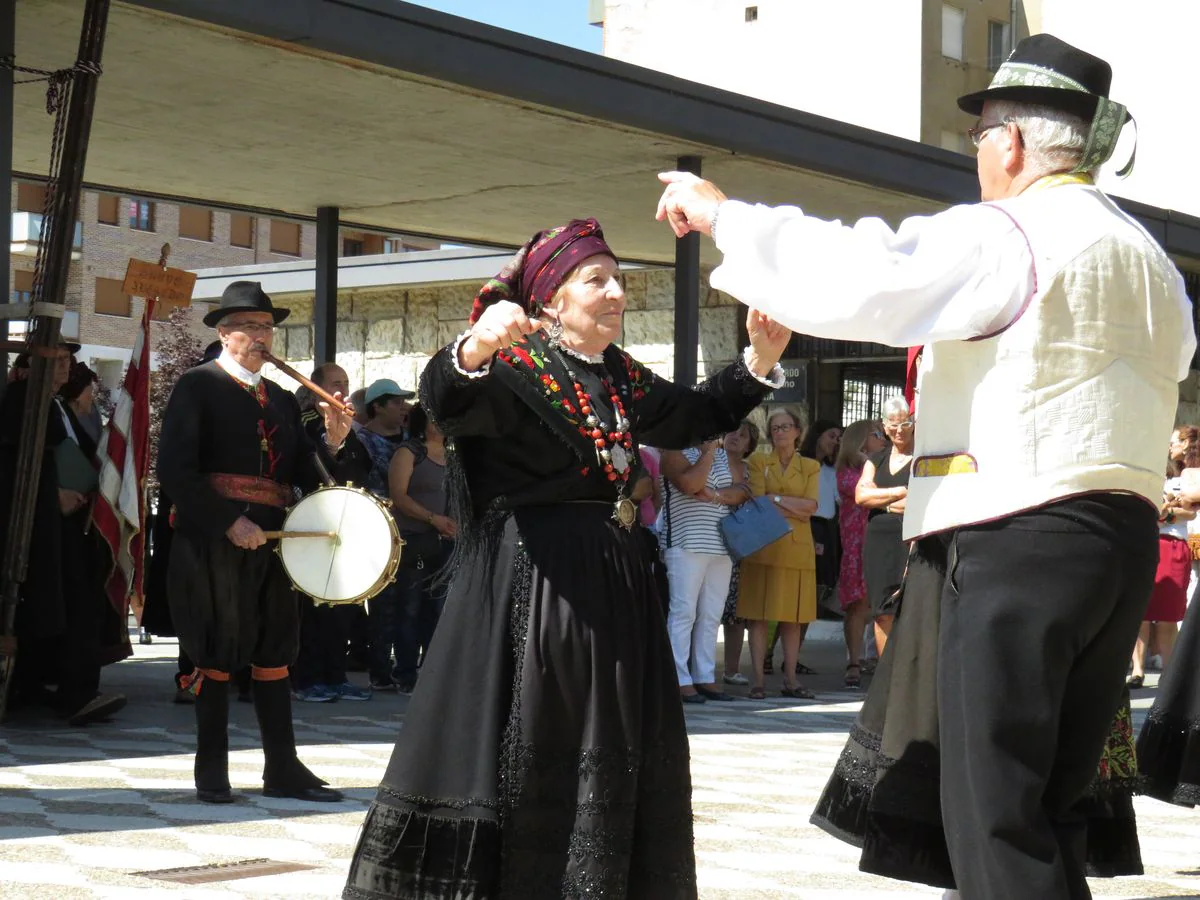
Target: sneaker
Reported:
point(348, 691)
point(736, 678)
point(318, 693)
point(385, 685)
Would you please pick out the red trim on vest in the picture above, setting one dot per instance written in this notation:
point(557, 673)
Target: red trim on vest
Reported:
point(1032, 291)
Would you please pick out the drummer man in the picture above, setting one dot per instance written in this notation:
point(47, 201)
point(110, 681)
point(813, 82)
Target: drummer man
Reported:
point(232, 456)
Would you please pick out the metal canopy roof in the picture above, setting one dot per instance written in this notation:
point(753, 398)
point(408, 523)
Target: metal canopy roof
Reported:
point(414, 121)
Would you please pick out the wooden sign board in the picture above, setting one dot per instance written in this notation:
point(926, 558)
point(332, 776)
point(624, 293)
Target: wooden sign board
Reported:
point(174, 286)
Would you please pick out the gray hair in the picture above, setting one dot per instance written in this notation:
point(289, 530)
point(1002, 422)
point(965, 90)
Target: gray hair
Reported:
point(1054, 140)
point(895, 406)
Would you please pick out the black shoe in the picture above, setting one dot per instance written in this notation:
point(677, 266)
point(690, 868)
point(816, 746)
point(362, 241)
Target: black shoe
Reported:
point(311, 794)
point(692, 698)
point(719, 696)
point(1135, 682)
point(218, 796)
point(99, 707)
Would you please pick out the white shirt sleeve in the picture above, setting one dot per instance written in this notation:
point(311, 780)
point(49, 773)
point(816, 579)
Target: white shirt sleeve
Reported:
point(962, 273)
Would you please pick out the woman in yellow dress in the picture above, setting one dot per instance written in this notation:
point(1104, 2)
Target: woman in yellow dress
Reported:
point(779, 582)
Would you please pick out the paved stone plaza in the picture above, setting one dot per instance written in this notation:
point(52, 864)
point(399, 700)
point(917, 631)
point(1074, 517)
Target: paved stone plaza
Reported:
point(83, 810)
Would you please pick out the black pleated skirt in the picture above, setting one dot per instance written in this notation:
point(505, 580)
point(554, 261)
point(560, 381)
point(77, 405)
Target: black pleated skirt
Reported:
point(545, 753)
point(884, 795)
point(1168, 747)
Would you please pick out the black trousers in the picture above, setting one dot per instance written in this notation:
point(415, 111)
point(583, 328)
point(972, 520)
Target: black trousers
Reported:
point(231, 607)
point(324, 643)
point(1039, 615)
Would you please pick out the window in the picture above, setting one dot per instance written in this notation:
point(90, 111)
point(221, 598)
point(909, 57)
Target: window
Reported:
point(998, 44)
point(195, 223)
point(956, 141)
point(285, 238)
point(394, 245)
point(31, 197)
point(241, 230)
point(110, 299)
point(351, 247)
point(141, 215)
point(22, 286)
point(954, 22)
point(751, 13)
point(108, 209)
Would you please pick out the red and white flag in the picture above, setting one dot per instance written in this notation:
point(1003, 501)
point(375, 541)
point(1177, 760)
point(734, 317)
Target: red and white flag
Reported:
point(119, 513)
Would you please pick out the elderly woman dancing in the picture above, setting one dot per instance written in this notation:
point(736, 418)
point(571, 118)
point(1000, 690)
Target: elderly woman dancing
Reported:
point(556, 764)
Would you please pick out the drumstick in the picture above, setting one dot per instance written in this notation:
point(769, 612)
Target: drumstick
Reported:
point(271, 535)
point(340, 405)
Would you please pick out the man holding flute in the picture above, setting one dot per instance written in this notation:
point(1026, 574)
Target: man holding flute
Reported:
point(232, 455)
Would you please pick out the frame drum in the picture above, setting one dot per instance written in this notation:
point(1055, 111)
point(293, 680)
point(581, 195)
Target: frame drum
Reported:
point(352, 567)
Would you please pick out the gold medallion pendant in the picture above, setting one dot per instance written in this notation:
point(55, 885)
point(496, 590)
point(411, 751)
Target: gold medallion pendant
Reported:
point(625, 513)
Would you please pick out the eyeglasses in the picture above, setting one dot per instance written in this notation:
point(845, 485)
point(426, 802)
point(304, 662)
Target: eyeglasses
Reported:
point(899, 426)
point(250, 327)
point(976, 134)
point(783, 426)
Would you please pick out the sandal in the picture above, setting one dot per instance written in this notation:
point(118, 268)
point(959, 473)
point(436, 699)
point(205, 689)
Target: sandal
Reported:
point(799, 692)
point(1134, 682)
point(854, 682)
point(757, 693)
point(768, 666)
point(802, 669)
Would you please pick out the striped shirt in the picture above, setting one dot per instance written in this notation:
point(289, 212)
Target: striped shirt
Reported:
point(695, 524)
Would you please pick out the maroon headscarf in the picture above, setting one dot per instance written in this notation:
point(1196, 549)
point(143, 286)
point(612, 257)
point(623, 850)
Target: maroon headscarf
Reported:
point(541, 266)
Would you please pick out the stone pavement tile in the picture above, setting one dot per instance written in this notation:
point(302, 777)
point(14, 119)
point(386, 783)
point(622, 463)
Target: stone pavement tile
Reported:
point(757, 770)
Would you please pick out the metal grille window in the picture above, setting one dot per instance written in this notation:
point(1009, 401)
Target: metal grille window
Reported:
point(862, 397)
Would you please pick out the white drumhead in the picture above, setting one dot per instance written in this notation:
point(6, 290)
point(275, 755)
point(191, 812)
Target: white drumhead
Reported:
point(346, 567)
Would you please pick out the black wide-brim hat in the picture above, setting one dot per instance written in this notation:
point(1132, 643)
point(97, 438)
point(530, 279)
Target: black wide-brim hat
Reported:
point(1046, 71)
point(244, 296)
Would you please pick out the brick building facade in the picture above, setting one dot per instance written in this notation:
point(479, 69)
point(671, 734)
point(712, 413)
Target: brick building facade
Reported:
point(112, 229)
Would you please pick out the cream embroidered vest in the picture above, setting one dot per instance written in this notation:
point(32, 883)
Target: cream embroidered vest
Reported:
point(1077, 395)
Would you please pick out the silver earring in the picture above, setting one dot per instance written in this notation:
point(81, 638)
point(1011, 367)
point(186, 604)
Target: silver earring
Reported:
point(555, 332)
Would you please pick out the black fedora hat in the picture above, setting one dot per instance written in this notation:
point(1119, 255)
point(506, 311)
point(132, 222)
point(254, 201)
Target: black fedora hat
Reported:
point(1047, 71)
point(244, 296)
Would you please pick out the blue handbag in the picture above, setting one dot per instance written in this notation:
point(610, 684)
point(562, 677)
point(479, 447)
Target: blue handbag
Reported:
point(752, 526)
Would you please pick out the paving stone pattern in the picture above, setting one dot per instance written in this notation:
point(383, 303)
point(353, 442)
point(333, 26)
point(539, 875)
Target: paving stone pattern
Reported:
point(83, 810)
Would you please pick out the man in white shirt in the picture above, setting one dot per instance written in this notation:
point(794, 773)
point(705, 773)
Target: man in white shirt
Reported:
point(1055, 330)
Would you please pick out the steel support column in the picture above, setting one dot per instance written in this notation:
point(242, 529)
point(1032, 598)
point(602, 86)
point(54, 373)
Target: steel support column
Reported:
point(325, 306)
point(687, 294)
point(8, 45)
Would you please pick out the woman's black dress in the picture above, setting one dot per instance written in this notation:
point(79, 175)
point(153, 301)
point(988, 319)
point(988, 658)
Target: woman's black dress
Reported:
point(885, 792)
point(544, 753)
point(884, 551)
point(1168, 747)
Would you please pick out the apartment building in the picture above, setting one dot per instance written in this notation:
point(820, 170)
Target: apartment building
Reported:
point(898, 66)
point(112, 229)
point(895, 66)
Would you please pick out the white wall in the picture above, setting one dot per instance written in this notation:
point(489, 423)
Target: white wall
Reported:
point(1151, 45)
point(854, 60)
